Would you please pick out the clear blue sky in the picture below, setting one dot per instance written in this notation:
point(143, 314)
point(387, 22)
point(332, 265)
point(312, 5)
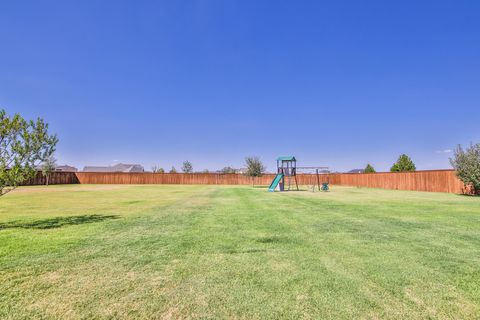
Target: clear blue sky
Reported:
point(337, 83)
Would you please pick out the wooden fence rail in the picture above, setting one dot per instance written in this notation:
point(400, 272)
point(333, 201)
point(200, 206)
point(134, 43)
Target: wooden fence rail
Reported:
point(434, 180)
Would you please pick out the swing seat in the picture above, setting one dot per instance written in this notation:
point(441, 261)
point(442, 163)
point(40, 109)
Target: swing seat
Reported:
point(325, 186)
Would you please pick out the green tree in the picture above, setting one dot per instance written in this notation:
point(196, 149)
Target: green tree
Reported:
point(187, 167)
point(173, 170)
point(228, 170)
point(255, 168)
point(23, 146)
point(48, 166)
point(156, 169)
point(403, 164)
point(467, 165)
point(369, 169)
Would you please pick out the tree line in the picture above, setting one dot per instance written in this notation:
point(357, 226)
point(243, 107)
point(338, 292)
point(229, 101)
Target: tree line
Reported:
point(254, 167)
point(403, 164)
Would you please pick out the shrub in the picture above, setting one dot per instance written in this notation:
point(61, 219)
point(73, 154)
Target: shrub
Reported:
point(369, 169)
point(467, 165)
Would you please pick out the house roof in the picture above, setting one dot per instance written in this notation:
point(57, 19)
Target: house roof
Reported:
point(98, 169)
point(286, 158)
point(127, 167)
point(66, 168)
point(356, 171)
point(120, 167)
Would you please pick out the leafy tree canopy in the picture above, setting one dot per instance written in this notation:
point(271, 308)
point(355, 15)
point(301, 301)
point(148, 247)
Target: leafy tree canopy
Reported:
point(403, 164)
point(255, 167)
point(187, 167)
point(228, 170)
point(24, 145)
point(467, 165)
point(369, 169)
point(48, 166)
point(157, 169)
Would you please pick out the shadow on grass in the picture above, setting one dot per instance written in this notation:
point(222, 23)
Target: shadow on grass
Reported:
point(234, 251)
point(58, 222)
point(272, 239)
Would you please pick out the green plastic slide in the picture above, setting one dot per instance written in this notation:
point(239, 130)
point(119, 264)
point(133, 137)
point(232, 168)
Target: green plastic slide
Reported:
point(275, 182)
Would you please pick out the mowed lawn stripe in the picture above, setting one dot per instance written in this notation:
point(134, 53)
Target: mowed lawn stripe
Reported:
point(238, 252)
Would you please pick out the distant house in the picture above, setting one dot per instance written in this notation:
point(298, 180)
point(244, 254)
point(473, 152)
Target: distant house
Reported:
point(119, 167)
point(66, 168)
point(232, 170)
point(357, 171)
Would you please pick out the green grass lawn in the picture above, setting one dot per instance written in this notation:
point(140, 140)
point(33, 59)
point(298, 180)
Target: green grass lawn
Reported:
point(237, 252)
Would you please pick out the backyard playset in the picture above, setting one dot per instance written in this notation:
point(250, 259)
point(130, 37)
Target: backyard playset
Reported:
point(286, 178)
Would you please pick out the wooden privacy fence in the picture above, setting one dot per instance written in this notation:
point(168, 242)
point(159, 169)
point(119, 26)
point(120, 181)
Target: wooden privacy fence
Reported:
point(170, 178)
point(434, 180)
point(185, 178)
point(54, 178)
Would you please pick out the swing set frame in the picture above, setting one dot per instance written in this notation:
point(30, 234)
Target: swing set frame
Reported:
point(321, 185)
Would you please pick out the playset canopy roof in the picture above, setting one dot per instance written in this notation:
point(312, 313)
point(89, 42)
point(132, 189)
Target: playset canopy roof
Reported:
point(286, 158)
